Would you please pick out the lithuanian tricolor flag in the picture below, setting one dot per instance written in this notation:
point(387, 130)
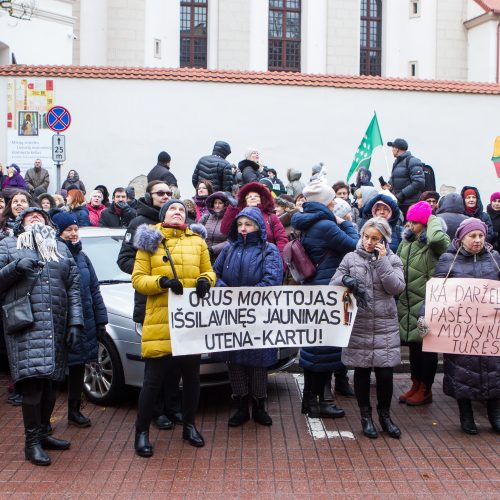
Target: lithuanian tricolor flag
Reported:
point(496, 155)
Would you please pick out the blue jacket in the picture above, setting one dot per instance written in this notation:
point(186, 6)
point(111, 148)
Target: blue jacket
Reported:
point(94, 310)
point(249, 262)
point(82, 216)
point(321, 234)
point(394, 222)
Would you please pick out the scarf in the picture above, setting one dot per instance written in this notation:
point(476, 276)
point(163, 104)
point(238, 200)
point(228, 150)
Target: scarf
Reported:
point(182, 227)
point(471, 210)
point(41, 238)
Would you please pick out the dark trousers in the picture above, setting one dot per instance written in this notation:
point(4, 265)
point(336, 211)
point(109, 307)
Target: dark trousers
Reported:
point(384, 386)
point(156, 371)
point(423, 365)
point(169, 398)
point(39, 399)
point(315, 381)
point(75, 382)
point(248, 380)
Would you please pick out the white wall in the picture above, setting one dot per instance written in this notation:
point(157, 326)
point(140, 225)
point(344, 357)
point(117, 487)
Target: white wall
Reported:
point(314, 23)
point(93, 32)
point(482, 52)
point(46, 39)
point(292, 126)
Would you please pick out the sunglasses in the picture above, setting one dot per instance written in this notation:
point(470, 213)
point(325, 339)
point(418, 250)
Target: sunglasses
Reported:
point(162, 193)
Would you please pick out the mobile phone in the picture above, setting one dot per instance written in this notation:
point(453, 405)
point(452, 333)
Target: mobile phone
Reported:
point(382, 181)
point(376, 252)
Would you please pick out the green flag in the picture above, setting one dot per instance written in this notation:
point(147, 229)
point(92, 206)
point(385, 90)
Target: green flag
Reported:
point(370, 141)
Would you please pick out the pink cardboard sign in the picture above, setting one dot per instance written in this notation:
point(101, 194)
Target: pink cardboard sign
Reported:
point(463, 316)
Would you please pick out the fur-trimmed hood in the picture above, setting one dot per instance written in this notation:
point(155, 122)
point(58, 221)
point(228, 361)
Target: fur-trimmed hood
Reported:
point(266, 198)
point(149, 238)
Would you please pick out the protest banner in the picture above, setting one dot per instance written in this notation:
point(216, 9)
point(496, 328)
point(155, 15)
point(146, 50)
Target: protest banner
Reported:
point(463, 316)
point(233, 318)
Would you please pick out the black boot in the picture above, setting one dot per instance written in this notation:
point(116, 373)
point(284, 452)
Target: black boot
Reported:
point(307, 400)
point(191, 434)
point(33, 450)
point(342, 386)
point(493, 407)
point(387, 424)
point(466, 416)
point(163, 422)
point(329, 410)
point(74, 415)
point(51, 443)
point(367, 424)
point(259, 413)
point(242, 414)
point(142, 446)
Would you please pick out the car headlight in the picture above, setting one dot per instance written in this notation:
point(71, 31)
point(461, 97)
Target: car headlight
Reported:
point(138, 329)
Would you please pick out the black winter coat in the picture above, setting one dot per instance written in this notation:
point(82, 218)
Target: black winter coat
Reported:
point(249, 172)
point(40, 350)
point(94, 310)
point(162, 173)
point(146, 214)
point(468, 376)
point(109, 218)
point(82, 216)
point(215, 168)
point(479, 213)
point(451, 210)
point(495, 220)
point(407, 179)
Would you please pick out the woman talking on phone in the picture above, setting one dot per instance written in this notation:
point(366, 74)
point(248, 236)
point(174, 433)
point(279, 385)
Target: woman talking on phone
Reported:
point(375, 273)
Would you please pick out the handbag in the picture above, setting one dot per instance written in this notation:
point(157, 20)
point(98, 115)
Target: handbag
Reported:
point(18, 315)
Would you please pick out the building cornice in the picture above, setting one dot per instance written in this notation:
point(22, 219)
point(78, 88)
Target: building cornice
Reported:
point(483, 18)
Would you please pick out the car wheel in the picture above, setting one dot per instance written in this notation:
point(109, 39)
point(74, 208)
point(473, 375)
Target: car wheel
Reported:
point(104, 383)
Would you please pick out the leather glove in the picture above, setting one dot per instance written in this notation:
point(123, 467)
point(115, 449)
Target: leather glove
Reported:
point(73, 337)
point(101, 331)
point(351, 283)
point(202, 287)
point(174, 285)
point(27, 265)
point(122, 205)
point(357, 289)
point(422, 327)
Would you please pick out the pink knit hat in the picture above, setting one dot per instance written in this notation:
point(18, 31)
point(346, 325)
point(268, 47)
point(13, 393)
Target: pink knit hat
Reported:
point(420, 212)
point(467, 226)
point(495, 196)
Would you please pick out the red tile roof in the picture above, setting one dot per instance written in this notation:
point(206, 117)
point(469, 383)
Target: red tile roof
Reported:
point(490, 5)
point(249, 77)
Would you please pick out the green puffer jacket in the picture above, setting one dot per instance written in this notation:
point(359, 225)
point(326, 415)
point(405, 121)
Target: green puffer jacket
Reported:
point(419, 256)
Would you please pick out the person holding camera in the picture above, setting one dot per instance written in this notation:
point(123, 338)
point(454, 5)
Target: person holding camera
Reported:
point(119, 214)
point(169, 257)
point(374, 274)
point(35, 265)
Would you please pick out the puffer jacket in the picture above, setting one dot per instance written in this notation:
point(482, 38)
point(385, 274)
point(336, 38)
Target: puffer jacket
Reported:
point(294, 186)
point(495, 221)
point(321, 234)
point(249, 262)
point(40, 350)
point(95, 213)
point(374, 339)
point(275, 231)
point(451, 210)
point(407, 179)
point(419, 256)
point(394, 221)
point(212, 221)
point(215, 168)
point(82, 216)
point(479, 213)
point(191, 260)
point(468, 376)
point(249, 172)
point(162, 173)
point(146, 214)
point(75, 181)
point(94, 310)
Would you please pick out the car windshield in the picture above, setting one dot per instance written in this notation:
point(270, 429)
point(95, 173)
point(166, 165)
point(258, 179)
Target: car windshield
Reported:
point(103, 252)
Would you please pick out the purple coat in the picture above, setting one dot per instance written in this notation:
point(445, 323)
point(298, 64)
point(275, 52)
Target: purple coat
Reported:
point(15, 182)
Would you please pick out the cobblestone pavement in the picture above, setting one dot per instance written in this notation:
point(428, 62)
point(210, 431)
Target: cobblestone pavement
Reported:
point(294, 458)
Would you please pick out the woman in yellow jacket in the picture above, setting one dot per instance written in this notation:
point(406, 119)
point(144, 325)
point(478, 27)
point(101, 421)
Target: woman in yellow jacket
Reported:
point(162, 248)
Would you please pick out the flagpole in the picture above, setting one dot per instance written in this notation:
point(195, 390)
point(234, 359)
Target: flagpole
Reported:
point(386, 163)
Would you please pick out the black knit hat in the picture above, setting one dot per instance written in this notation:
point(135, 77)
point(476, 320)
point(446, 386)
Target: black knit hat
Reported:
point(164, 208)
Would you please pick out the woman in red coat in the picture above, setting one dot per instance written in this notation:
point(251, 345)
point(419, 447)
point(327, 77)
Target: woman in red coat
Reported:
point(257, 195)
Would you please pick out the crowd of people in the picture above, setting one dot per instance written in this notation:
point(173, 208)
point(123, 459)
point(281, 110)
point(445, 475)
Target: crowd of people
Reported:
point(381, 243)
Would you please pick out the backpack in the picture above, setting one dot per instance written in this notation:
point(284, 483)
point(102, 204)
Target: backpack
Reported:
point(430, 178)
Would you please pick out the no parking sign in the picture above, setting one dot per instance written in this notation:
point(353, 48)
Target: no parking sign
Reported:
point(58, 119)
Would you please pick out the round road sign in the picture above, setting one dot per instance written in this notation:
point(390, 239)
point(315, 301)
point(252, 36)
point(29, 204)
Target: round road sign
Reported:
point(58, 119)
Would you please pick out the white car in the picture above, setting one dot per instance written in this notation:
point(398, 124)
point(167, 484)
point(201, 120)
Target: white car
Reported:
point(119, 362)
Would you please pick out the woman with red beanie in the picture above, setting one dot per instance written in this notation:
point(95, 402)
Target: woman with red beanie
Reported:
point(424, 241)
point(474, 208)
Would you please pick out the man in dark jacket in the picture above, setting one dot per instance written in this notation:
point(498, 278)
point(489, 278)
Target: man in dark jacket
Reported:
point(37, 177)
point(407, 180)
point(157, 193)
point(161, 171)
point(215, 168)
point(451, 210)
point(119, 213)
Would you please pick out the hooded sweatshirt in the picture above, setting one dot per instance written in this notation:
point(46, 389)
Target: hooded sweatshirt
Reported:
point(451, 210)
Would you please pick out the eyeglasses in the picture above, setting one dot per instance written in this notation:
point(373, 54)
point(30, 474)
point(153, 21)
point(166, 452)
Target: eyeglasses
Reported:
point(161, 194)
point(252, 197)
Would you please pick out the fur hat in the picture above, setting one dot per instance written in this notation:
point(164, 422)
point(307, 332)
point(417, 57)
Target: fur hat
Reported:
point(467, 226)
point(164, 208)
point(62, 220)
point(420, 212)
point(320, 192)
point(341, 208)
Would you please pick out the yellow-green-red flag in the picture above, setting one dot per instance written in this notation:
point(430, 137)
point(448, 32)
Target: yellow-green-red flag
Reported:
point(496, 155)
point(371, 140)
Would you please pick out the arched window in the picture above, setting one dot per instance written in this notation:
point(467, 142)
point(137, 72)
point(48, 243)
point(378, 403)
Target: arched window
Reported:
point(194, 33)
point(371, 38)
point(284, 35)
